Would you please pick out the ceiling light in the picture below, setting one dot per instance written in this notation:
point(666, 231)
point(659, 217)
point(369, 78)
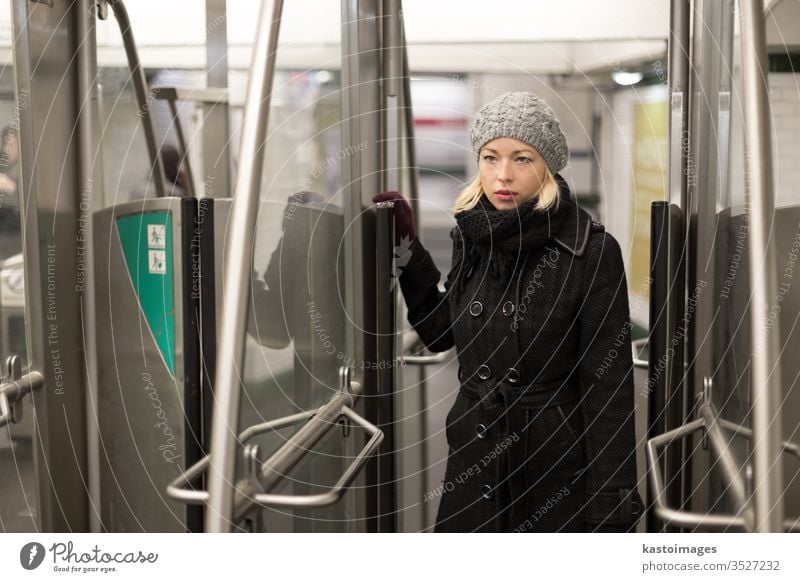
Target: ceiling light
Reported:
point(626, 78)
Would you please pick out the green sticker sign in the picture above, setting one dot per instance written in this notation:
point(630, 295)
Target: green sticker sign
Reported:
point(146, 241)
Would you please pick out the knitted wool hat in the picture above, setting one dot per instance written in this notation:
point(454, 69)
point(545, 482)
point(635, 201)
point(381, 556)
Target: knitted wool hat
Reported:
point(525, 117)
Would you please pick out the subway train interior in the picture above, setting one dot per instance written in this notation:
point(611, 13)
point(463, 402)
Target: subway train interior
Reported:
point(162, 160)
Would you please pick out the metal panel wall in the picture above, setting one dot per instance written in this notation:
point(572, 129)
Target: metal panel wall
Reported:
point(46, 81)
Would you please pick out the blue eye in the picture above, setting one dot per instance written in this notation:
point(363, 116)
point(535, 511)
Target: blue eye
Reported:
point(489, 158)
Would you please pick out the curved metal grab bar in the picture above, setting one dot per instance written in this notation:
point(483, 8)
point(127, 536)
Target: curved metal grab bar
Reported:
point(199, 497)
point(333, 494)
point(424, 360)
point(711, 423)
point(14, 388)
point(140, 89)
point(409, 341)
point(13, 391)
point(275, 469)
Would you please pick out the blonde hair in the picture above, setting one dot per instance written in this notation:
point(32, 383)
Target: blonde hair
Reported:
point(547, 195)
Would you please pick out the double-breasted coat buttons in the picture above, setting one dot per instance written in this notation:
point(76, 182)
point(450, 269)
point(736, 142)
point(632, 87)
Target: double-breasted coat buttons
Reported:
point(508, 308)
point(480, 431)
point(486, 491)
point(512, 375)
point(475, 308)
point(484, 372)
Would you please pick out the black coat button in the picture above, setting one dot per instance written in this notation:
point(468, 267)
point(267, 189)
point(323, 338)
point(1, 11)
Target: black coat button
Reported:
point(480, 431)
point(512, 375)
point(484, 372)
point(486, 491)
point(508, 308)
point(476, 308)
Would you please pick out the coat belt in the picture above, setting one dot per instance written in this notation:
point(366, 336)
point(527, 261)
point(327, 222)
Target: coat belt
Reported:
point(512, 402)
point(534, 395)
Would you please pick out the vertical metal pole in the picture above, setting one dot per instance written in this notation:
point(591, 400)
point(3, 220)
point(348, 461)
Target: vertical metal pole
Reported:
point(766, 379)
point(413, 193)
point(672, 387)
point(386, 330)
point(393, 51)
point(362, 115)
point(238, 264)
point(386, 295)
point(710, 62)
point(678, 75)
point(216, 124)
point(408, 119)
point(87, 171)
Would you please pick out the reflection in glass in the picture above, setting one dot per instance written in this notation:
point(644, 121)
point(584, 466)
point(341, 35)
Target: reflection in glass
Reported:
point(17, 485)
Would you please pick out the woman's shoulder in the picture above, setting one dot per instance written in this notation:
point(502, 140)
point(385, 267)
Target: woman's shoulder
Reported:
point(600, 237)
point(604, 252)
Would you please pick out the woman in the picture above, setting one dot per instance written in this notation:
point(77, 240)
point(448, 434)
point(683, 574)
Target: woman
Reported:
point(541, 435)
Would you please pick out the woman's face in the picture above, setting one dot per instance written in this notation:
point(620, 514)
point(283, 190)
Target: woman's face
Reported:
point(511, 172)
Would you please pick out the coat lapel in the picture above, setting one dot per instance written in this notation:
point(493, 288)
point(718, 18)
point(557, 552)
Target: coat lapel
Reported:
point(574, 234)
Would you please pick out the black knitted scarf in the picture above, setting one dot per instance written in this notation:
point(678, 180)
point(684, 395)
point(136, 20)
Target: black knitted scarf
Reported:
point(503, 238)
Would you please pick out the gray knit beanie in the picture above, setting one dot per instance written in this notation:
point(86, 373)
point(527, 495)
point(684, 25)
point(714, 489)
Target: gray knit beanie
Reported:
point(525, 117)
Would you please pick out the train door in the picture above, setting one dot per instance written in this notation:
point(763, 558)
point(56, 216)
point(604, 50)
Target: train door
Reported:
point(313, 409)
point(722, 417)
point(296, 377)
point(18, 502)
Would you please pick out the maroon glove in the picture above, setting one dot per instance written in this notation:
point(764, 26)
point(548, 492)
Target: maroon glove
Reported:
point(403, 215)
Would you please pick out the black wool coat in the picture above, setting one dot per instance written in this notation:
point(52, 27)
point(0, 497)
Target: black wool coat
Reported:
point(541, 435)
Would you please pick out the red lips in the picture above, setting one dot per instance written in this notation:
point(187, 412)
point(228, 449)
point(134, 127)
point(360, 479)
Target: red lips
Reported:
point(505, 194)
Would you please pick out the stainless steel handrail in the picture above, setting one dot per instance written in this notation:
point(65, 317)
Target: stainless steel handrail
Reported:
point(12, 391)
point(238, 262)
point(678, 69)
point(728, 465)
point(333, 494)
point(766, 383)
point(141, 90)
point(424, 360)
point(275, 469)
point(711, 423)
point(198, 497)
point(637, 346)
point(409, 340)
point(254, 490)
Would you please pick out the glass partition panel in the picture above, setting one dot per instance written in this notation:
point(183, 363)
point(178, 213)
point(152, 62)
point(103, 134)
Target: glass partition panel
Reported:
point(723, 179)
point(296, 337)
point(17, 479)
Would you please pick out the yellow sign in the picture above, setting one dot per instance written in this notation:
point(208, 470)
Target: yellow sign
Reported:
point(649, 149)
